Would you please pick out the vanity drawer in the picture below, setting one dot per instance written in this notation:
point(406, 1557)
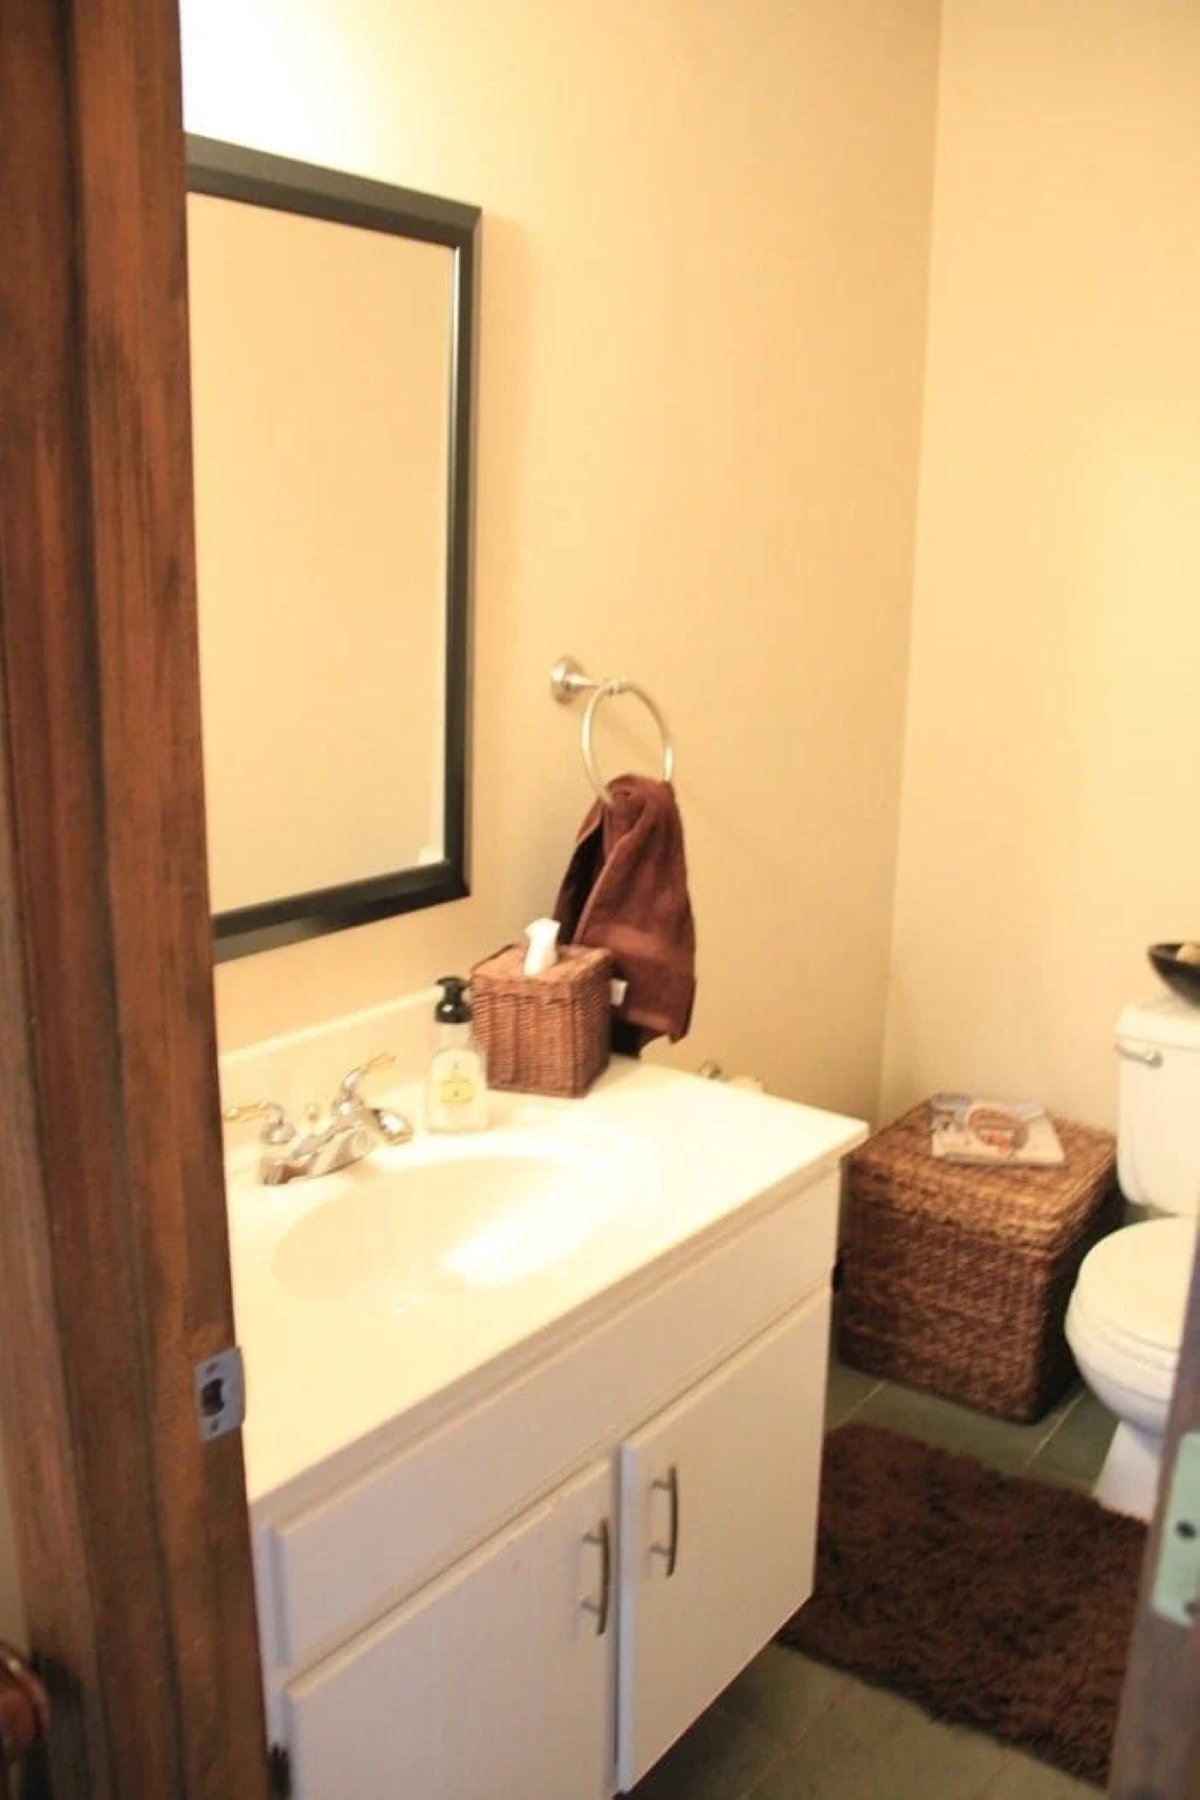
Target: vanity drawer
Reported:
point(339, 1564)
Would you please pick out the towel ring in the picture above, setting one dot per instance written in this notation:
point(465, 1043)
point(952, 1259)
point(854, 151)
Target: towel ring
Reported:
point(567, 679)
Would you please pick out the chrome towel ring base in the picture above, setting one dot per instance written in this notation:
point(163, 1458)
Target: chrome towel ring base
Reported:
point(567, 680)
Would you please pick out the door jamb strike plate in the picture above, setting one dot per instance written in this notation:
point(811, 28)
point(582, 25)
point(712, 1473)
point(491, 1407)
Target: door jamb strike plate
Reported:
point(220, 1394)
point(1176, 1593)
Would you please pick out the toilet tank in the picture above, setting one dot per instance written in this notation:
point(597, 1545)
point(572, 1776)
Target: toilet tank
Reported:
point(1158, 1105)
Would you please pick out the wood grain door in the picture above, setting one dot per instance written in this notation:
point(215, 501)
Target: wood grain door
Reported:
point(132, 1532)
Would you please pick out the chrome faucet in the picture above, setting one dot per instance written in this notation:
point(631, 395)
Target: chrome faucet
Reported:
point(352, 1131)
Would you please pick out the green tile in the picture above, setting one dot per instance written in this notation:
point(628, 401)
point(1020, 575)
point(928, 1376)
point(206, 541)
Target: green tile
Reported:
point(1051, 1477)
point(1075, 1392)
point(1023, 1779)
point(782, 1692)
point(1051, 1420)
point(870, 1745)
point(945, 1760)
point(844, 1754)
point(994, 1441)
point(1080, 1444)
point(721, 1757)
point(846, 1389)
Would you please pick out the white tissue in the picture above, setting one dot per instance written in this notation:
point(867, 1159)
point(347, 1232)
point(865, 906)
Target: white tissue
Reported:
point(542, 954)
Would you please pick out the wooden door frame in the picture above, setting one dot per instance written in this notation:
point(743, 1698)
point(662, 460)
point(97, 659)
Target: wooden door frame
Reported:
point(1157, 1753)
point(132, 1534)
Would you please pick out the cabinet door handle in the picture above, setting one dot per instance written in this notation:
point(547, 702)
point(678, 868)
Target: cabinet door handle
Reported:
point(602, 1536)
point(670, 1486)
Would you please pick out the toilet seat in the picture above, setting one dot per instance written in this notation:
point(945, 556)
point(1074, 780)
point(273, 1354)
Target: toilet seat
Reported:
point(1113, 1366)
point(1127, 1311)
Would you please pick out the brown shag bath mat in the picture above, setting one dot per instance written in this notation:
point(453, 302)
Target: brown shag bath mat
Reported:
point(995, 1602)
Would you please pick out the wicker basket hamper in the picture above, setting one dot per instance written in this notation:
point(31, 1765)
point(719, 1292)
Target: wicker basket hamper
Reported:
point(957, 1278)
point(548, 1033)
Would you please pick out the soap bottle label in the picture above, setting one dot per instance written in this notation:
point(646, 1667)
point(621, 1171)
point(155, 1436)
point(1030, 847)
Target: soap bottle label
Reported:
point(455, 1080)
point(457, 1091)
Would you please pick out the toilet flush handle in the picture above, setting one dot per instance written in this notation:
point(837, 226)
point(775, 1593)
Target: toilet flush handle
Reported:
point(1140, 1053)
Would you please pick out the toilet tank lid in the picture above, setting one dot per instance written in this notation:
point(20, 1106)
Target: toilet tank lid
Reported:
point(1165, 1020)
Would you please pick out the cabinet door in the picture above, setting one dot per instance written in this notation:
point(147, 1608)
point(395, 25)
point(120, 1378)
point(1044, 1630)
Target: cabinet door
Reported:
point(493, 1683)
point(718, 1531)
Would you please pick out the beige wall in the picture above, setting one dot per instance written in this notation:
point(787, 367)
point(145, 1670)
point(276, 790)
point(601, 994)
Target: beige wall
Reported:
point(704, 261)
point(1051, 815)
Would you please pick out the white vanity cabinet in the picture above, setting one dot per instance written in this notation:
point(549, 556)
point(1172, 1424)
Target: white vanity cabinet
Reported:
point(718, 1517)
point(533, 1598)
point(494, 1681)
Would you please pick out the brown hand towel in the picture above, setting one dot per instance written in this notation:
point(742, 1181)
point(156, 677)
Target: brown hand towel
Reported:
point(625, 891)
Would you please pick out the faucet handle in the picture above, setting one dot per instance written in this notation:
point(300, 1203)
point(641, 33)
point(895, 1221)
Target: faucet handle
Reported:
point(348, 1090)
point(392, 1127)
point(276, 1129)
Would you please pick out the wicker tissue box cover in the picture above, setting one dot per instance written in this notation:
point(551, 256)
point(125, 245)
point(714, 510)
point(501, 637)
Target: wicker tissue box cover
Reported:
point(548, 1033)
point(956, 1278)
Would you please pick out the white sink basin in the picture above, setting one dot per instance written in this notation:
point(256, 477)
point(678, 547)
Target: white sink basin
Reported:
point(467, 1214)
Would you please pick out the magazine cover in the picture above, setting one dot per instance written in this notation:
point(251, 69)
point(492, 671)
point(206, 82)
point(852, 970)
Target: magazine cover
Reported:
point(968, 1129)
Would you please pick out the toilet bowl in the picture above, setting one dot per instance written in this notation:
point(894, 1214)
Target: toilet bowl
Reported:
point(1125, 1328)
point(1126, 1314)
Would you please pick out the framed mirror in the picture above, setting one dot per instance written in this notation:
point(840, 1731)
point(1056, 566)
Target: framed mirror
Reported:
point(332, 326)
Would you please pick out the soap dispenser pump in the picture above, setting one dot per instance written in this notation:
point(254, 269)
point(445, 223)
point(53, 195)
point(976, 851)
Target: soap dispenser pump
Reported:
point(456, 1093)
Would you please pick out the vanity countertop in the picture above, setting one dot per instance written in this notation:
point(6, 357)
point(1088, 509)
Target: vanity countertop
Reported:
point(345, 1357)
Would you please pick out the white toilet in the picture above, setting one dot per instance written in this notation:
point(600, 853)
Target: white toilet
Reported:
point(1125, 1321)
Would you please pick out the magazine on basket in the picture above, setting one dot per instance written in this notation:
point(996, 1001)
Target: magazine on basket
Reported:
point(967, 1129)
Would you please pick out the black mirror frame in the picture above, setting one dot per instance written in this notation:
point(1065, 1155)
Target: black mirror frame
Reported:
point(234, 173)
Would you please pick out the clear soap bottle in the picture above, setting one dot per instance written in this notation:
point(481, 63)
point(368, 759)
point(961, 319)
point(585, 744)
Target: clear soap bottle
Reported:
point(456, 1089)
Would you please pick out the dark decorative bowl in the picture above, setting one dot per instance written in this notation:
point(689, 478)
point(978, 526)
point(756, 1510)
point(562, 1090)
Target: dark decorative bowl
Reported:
point(1183, 978)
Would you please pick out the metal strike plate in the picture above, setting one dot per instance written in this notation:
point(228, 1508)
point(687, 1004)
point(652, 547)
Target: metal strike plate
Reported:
point(1177, 1582)
point(221, 1393)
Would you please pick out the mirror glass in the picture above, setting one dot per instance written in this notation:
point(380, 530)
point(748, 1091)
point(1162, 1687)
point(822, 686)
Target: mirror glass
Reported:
point(331, 357)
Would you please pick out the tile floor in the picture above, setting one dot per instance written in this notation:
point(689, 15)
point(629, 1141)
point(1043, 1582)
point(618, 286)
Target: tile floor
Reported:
point(791, 1729)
